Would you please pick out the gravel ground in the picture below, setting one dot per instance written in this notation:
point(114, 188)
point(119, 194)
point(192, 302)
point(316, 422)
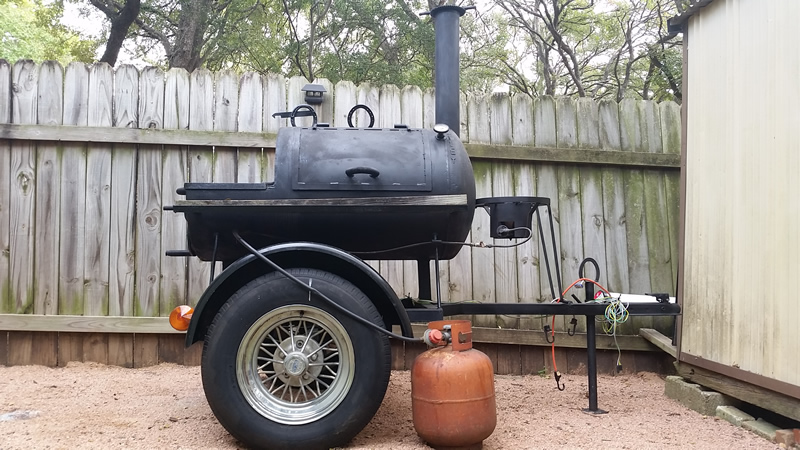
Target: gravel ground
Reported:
point(93, 406)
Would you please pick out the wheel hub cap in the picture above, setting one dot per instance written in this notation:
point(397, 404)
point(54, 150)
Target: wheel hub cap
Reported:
point(295, 364)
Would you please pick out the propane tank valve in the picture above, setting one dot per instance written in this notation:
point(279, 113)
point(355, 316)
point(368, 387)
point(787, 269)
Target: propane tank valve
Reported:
point(434, 337)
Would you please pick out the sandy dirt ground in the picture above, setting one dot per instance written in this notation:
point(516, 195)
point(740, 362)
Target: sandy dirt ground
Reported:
point(93, 406)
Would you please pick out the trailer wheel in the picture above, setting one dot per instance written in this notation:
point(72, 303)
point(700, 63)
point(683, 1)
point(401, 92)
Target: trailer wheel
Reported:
point(283, 369)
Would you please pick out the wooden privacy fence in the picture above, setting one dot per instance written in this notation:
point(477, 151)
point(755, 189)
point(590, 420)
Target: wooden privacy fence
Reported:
point(93, 155)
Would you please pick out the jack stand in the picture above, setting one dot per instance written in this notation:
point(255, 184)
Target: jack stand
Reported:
point(591, 351)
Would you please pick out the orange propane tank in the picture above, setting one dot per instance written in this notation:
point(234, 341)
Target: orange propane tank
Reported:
point(452, 389)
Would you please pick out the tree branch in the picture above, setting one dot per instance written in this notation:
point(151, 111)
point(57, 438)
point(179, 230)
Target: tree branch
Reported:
point(120, 24)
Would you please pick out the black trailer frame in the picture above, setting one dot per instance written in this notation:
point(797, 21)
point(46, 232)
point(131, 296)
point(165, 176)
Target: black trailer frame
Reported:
point(519, 207)
point(661, 306)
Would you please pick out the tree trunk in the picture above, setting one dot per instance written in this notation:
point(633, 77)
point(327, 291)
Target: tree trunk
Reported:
point(119, 29)
point(191, 31)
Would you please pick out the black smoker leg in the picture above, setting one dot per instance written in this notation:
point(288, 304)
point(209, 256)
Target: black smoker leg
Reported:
point(424, 279)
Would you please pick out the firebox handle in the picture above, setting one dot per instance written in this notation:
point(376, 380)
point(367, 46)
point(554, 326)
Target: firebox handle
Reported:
point(299, 108)
point(353, 111)
point(367, 170)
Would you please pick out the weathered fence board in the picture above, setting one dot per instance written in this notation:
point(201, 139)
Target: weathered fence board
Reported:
point(483, 263)
point(502, 180)
point(226, 105)
point(72, 230)
point(249, 161)
point(97, 206)
point(325, 110)
point(545, 135)
point(524, 184)
point(370, 96)
point(671, 134)
point(483, 273)
point(201, 117)
point(121, 301)
point(98, 194)
point(505, 259)
point(527, 263)
point(23, 190)
point(274, 101)
point(296, 97)
point(344, 97)
point(657, 227)
point(174, 271)
point(22, 207)
point(48, 187)
point(569, 197)
point(148, 198)
point(6, 301)
point(97, 259)
point(429, 108)
point(632, 140)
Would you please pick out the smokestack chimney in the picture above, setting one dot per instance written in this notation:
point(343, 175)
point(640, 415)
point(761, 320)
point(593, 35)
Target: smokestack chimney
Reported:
point(446, 67)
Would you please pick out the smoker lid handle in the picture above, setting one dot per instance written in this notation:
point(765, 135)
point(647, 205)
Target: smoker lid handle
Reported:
point(367, 170)
point(356, 108)
point(297, 112)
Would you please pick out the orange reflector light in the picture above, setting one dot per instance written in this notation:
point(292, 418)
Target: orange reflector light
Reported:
point(180, 317)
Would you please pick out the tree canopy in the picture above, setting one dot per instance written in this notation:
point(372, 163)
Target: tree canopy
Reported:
point(596, 48)
point(32, 30)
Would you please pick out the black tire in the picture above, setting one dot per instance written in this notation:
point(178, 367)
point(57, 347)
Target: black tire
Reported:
point(342, 371)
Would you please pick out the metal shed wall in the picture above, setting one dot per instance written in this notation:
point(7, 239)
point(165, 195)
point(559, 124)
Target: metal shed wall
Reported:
point(742, 203)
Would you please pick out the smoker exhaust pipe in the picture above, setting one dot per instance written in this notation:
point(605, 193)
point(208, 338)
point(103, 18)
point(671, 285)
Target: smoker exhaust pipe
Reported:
point(446, 65)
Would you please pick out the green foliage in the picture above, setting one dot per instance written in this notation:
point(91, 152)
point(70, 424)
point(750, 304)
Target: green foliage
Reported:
point(600, 48)
point(481, 58)
point(608, 48)
point(31, 30)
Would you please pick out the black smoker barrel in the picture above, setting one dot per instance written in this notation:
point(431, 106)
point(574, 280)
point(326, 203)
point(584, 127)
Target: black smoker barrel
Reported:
point(377, 193)
point(362, 190)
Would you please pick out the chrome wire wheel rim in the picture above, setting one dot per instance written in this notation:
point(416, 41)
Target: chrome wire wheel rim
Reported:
point(295, 364)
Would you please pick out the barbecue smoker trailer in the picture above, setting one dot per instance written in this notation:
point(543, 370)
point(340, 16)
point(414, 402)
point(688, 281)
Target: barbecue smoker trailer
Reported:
point(296, 328)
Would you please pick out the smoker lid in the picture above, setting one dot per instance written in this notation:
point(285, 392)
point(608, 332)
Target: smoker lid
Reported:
point(362, 159)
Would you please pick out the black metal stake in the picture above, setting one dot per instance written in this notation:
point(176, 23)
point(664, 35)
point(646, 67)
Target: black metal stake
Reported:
point(591, 346)
point(438, 279)
point(591, 352)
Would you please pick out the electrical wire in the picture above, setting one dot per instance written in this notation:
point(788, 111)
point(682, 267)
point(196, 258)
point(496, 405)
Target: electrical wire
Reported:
point(319, 294)
point(434, 242)
point(579, 280)
point(616, 313)
point(480, 244)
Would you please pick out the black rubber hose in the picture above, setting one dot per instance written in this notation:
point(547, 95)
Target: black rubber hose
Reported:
point(319, 294)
